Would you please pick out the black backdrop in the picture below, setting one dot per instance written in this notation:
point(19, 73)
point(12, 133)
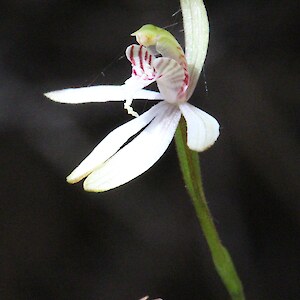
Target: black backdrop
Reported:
point(58, 242)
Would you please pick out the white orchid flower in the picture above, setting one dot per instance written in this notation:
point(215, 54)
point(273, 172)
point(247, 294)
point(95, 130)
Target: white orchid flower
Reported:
point(113, 162)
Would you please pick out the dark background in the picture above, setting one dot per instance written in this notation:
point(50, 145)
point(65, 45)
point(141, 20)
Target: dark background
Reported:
point(59, 242)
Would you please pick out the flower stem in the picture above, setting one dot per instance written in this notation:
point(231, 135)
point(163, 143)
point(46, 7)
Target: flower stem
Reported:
point(190, 167)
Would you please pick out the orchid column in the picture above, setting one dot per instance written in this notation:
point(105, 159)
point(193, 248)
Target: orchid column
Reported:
point(196, 30)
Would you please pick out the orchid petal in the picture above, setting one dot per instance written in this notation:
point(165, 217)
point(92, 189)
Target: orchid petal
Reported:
point(170, 78)
point(113, 142)
point(148, 95)
point(139, 155)
point(141, 61)
point(100, 93)
point(202, 128)
point(196, 28)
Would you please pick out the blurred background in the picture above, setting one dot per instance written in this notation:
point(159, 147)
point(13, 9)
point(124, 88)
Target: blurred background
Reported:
point(59, 242)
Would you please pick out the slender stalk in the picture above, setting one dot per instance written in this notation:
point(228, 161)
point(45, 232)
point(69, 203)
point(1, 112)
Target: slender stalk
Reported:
point(190, 167)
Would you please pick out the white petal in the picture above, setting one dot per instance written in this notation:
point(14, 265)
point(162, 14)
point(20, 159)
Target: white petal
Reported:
point(134, 86)
point(100, 93)
point(202, 128)
point(196, 28)
point(146, 94)
point(137, 156)
point(112, 143)
point(170, 80)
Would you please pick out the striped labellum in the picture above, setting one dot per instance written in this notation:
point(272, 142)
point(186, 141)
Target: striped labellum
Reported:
point(171, 77)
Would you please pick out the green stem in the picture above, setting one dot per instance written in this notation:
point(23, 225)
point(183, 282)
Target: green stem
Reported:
point(190, 167)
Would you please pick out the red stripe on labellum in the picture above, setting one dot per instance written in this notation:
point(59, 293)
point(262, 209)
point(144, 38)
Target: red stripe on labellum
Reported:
point(184, 86)
point(141, 58)
point(146, 55)
point(150, 59)
point(186, 79)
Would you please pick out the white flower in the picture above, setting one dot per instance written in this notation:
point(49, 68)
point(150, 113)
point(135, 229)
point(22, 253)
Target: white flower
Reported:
point(112, 164)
